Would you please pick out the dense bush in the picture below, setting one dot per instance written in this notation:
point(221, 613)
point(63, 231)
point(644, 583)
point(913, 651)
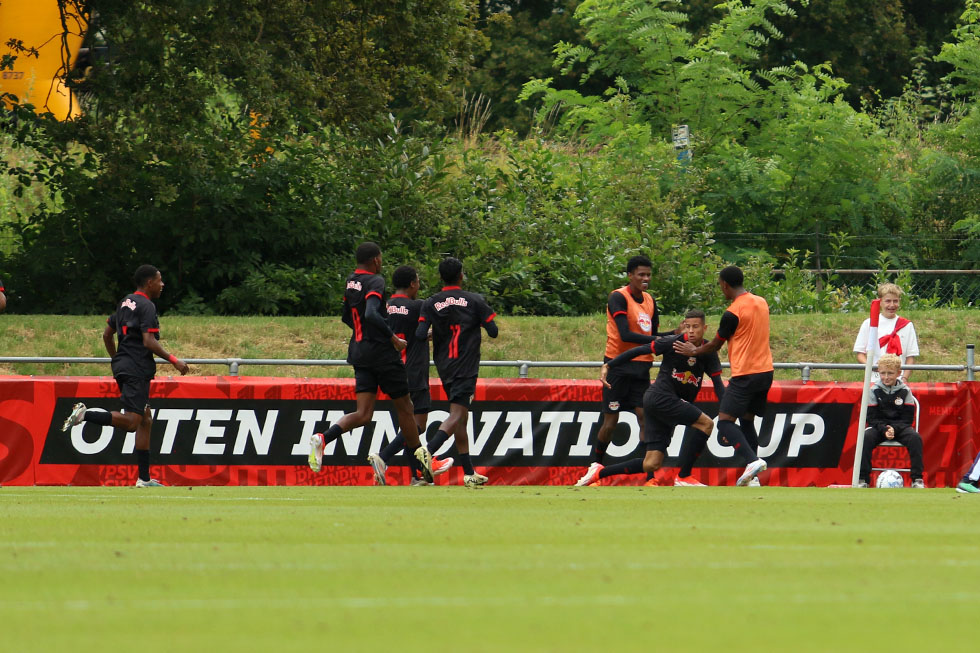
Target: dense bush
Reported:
point(254, 217)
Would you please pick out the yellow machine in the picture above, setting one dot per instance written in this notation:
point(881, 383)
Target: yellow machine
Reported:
point(40, 80)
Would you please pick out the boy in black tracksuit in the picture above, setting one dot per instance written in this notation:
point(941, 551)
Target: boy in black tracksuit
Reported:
point(891, 414)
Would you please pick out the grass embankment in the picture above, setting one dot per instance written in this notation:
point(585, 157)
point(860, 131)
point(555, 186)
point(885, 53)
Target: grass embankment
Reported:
point(943, 336)
point(498, 569)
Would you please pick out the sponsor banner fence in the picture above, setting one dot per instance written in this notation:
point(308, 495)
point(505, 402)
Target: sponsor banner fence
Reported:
point(256, 431)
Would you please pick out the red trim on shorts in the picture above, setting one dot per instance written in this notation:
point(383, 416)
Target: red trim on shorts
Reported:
point(714, 374)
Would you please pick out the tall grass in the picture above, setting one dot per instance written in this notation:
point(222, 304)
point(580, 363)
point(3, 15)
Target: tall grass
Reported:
point(943, 336)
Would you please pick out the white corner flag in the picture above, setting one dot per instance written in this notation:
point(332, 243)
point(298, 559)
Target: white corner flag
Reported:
point(866, 390)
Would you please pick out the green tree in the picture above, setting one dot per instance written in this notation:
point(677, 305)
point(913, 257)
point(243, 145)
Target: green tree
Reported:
point(233, 144)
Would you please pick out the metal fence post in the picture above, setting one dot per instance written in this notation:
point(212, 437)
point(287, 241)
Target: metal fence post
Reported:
point(805, 373)
point(523, 370)
point(233, 367)
point(969, 362)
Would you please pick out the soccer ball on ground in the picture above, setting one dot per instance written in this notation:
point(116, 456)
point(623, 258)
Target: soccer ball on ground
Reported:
point(890, 478)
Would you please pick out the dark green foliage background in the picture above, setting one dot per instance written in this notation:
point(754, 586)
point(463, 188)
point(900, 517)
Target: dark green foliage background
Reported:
point(246, 150)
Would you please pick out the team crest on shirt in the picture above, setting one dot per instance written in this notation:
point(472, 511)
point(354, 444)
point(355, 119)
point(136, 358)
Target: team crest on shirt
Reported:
point(691, 361)
point(899, 401)
point(128, 303)
point(613, 405)
point(643, 320)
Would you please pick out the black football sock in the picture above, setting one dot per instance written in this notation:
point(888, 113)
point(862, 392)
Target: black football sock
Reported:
point(98, 417)
point(751, 435)
point(599, 452)
point(393, 447)
point(464, 460)
point(694, 443)
point(331, 434)
point(437, 441)
point(143, 464)
point(733, 434)
point(632, 466)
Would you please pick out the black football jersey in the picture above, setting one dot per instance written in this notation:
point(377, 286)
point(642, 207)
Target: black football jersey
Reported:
point(457, 318)
point(136, 315)
point(368, 344)
point(403, 318)
point(682, 375)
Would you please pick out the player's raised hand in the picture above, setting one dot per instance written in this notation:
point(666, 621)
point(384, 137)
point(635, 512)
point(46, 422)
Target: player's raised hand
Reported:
point(603, 373)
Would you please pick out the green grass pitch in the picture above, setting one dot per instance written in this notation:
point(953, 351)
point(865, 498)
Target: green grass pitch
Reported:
point(494, 569)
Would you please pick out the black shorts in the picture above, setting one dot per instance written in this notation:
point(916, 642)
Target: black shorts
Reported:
point(626, 392)
point(422, 401)
point(390, 377)
point(746, 394)
point(135, 392)
point(460, 391)
point(662, 412)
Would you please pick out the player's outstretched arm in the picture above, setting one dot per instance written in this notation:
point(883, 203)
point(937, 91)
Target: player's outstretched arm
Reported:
point(151, 343)
point(688, 349)
point(630, 336)
point(630, 354)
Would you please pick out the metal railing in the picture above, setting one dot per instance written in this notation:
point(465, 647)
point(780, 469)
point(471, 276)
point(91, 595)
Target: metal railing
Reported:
point(523, 367)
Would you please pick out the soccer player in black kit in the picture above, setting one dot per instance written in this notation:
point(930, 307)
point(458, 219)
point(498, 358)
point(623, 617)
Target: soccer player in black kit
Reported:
point(136, 325)
point(669, 402)
point(404, 308)
point(374, 352)
point(456, 317)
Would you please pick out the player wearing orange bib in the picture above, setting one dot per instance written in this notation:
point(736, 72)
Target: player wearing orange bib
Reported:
point(632, 318)
point(745, 327)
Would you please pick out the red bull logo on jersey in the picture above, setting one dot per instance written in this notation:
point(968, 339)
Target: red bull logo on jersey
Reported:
point(451, 301)
point(686, 377)
point(129, 303)
point(397, 310)
point(644, 322)
point(353, 285)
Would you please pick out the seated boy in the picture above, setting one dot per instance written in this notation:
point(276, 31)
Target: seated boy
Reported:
point(891, 413)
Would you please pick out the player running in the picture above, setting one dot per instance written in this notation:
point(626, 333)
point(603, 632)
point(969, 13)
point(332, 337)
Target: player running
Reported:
point(745, 326)
point(138, 329)
point(456, 317)
point(374, 353)
point(667, 403)
point(632, 318)
point(404, 308)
